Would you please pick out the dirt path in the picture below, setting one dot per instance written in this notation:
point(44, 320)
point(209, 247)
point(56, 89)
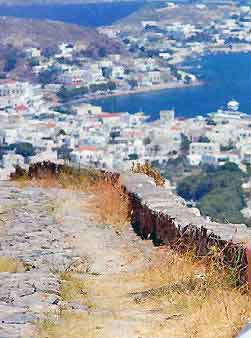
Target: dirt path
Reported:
point(114, 271)
point(102, 292)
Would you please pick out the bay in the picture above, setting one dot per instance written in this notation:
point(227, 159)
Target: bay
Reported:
point(225, 76)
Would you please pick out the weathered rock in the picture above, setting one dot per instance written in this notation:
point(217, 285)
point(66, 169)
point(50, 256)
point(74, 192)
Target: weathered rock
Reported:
point(35, 238)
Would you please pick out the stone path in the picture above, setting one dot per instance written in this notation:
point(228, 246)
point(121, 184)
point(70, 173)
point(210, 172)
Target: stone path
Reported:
point(51, 231)
point(30, 234)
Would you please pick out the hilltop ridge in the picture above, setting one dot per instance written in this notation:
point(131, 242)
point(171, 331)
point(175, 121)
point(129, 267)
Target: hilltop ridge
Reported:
point(45, 33)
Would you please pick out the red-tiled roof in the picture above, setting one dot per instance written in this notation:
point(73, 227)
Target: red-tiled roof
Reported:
point(21, 108)
point(51, 125)
point(108, 115)
point(87, 148)
point(8, 81)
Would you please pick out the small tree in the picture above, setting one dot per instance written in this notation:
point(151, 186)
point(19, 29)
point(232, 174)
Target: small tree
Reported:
point(25, 149)
point(185, 143)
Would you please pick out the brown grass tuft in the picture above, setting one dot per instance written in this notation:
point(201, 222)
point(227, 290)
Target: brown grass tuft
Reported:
point(111, 204)
point(9, 264)
point(150, 171)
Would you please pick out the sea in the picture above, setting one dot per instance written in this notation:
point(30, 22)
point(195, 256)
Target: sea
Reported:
point(224, 76)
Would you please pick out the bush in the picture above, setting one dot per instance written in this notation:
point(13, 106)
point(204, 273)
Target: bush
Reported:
point(66, 94)
point(48, 76)
point(219, 193)
point(11, 61)
point(223, 205)
point(25, 149)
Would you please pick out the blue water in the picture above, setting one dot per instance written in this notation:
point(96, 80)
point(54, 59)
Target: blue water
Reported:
point(86, 15)
point(226, 76)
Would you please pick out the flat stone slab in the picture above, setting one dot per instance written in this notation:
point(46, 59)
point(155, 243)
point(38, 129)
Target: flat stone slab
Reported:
point(33, 236)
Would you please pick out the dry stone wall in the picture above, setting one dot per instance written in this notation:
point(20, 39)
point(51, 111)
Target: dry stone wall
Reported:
point(160, 215)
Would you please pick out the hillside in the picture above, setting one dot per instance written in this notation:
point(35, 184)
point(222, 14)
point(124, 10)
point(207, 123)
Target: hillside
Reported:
point(18, 34)
point(28, 32)
point(185, 13)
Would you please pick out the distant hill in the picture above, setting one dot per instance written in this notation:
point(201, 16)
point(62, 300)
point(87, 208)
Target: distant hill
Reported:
point(59, 2)
point(186, 13)
point(17, 34)
point(44, 33)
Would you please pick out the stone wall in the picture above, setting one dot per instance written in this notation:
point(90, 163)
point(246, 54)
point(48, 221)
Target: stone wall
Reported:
point(163, 217)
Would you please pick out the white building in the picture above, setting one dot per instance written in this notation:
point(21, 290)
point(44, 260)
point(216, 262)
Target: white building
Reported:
point(87, 155)
point(202, 152)
point(167, 116)
point(10, 160)
point(11, 88)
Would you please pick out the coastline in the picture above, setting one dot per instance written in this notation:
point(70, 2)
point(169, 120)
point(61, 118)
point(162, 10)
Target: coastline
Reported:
point(153, 88)
point(234, 49)
point(171, 85)
point(182, 55)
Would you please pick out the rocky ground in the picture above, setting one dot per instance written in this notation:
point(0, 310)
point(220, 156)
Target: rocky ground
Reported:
point(51, 231)
point(31, 234)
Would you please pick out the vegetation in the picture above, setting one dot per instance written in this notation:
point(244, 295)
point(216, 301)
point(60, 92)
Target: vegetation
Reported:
point(176, 169)
point(48, 76)
point(217, 191)
point(103, 86)
point(67, 110)
point(66, 93)
point(150, 171)
point(34, 62)
point(111, 204)
point(181, 289)
point(102, 52)
point(185, 143)
point(11, 61)
point(25, 149)
point(109, 200)
point(133, 83)
point(9, 264)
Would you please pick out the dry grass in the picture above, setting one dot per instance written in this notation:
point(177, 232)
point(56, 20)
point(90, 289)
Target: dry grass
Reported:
point(9, 264)
point(185, 299)
point(69, 178)
point(72, 324)
point(111, 205)
point(150, 171)
point(75, 288)
point(197, 300)
point(75, 325)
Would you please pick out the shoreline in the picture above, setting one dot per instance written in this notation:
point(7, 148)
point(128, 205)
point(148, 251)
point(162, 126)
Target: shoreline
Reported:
point(153, 88)
point(228, 50)
point(176, 85)
point(165, 86)
point(182, 56)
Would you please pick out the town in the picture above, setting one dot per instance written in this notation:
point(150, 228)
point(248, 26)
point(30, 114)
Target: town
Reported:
point(32, 130)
